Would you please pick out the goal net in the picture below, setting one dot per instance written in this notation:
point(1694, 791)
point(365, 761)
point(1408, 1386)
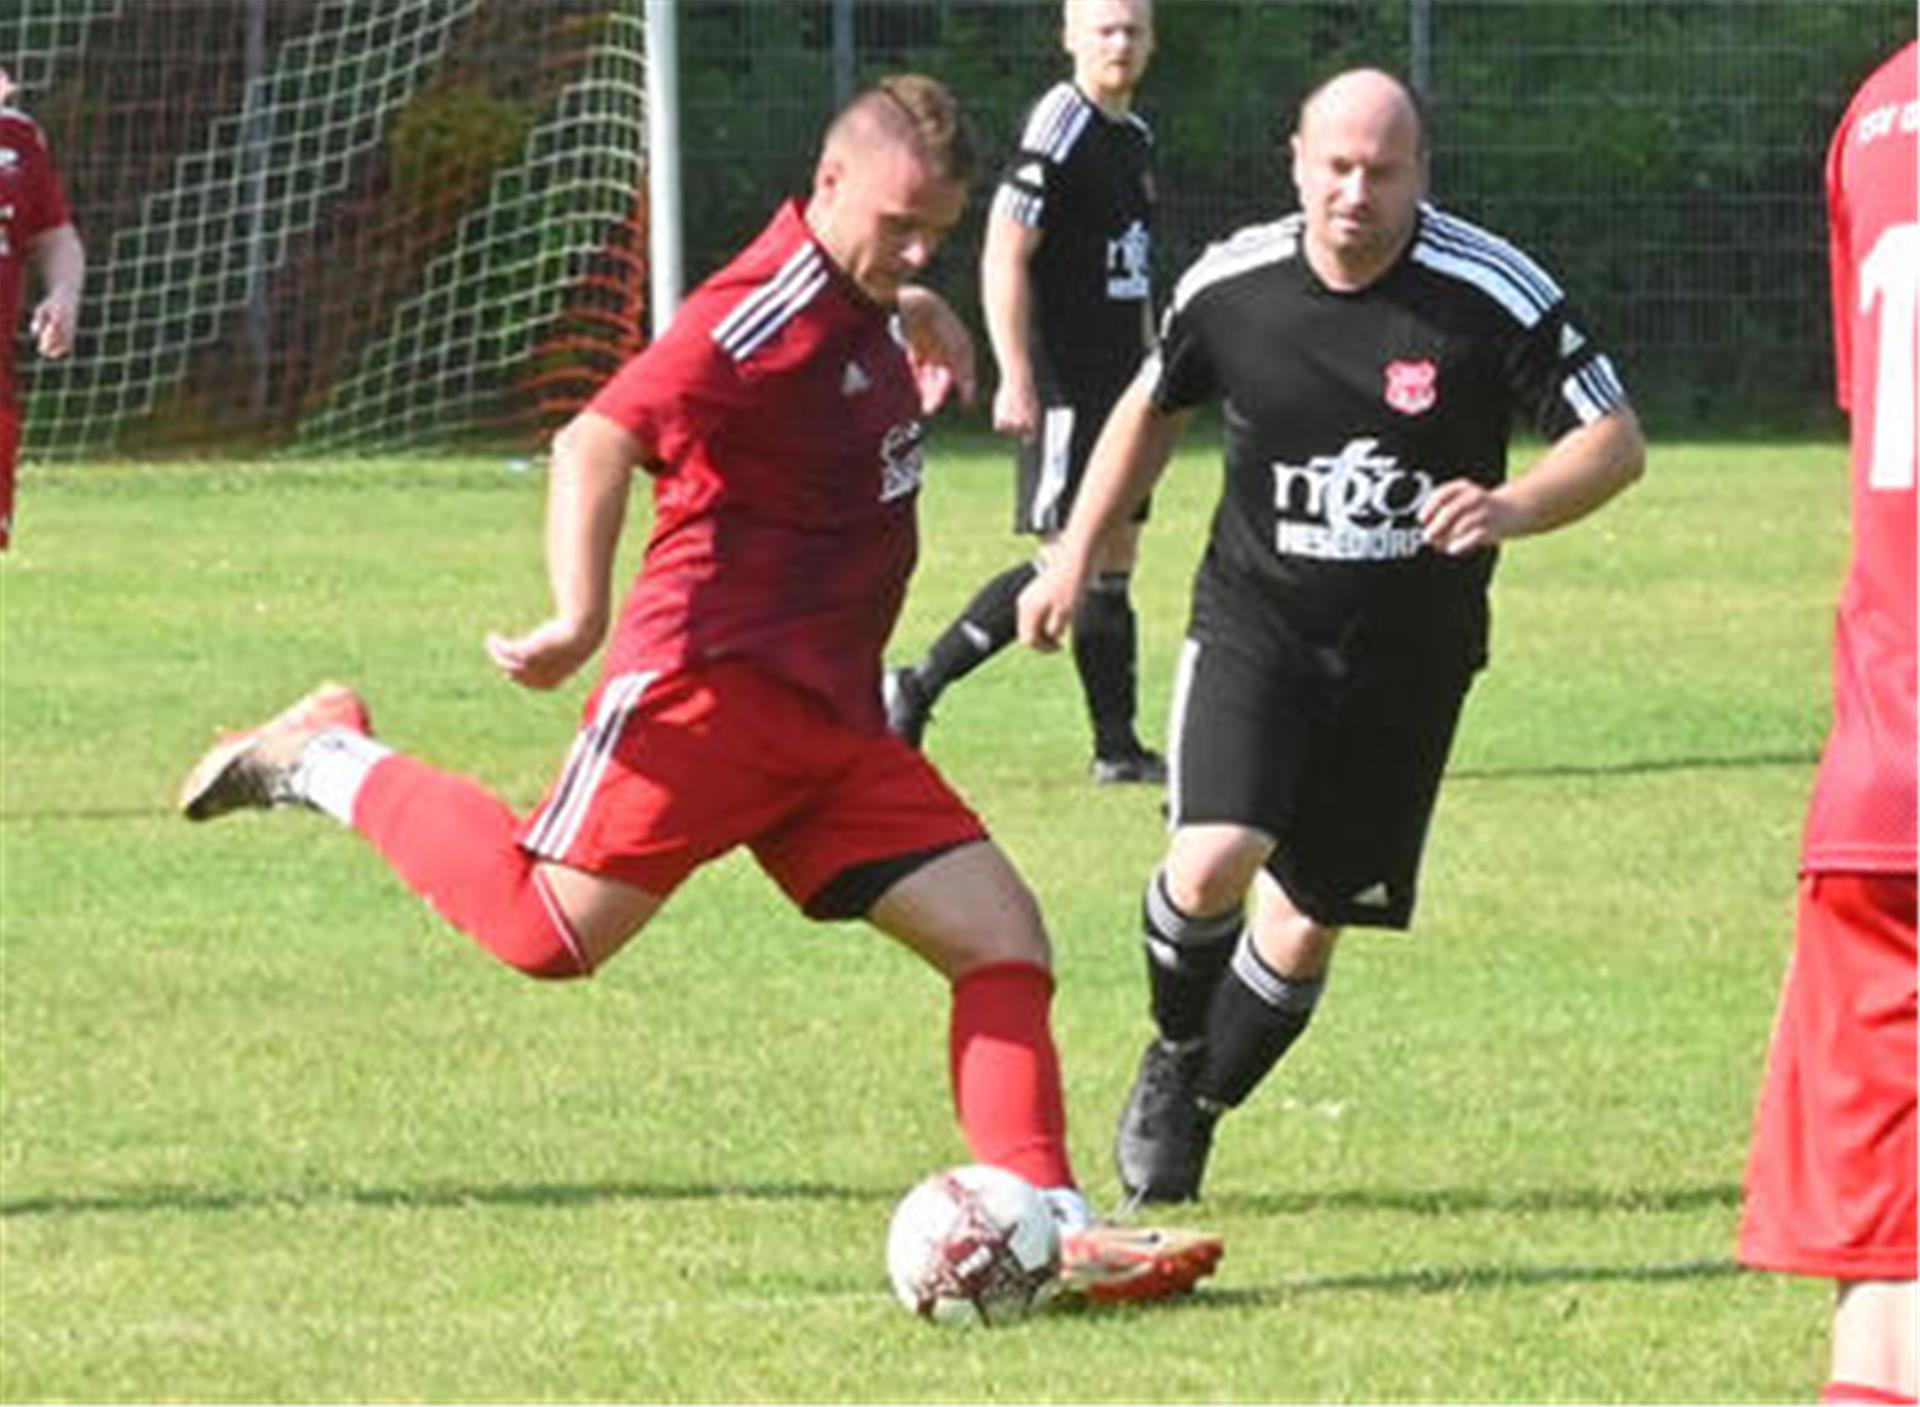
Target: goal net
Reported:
point(337, 224)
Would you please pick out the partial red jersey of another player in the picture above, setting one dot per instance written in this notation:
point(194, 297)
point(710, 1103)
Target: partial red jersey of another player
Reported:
point(31, 202)
point(1831, 1182)
point(1862, 817)
point(786, 438)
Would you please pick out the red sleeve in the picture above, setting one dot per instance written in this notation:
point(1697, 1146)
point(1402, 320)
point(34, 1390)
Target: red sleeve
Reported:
point(682, 391)
point(632, 400)
point(45, 202)
point(1840, 264)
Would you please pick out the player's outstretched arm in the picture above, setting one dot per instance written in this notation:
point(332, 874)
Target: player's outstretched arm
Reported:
point(1127, 461)
point(588, 481)
point(1581, 471)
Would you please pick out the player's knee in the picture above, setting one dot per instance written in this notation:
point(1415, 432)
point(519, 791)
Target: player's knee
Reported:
point(541, 956)
point(1294, 945)
point(552, 967)
point(1016, 934)
point(1025, 936)
point(964, 909)
point(1208, 869)
point(1203, 889)
point(532, 935)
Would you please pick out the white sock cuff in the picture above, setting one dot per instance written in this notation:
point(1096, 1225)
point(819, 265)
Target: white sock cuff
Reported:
point(1069, 1207)
point(332, 769)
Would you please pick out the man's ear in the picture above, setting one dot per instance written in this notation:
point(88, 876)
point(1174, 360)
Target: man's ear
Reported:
point(828, 174)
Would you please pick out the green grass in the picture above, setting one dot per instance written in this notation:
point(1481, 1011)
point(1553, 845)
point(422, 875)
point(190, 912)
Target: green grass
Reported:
point(268, 1132)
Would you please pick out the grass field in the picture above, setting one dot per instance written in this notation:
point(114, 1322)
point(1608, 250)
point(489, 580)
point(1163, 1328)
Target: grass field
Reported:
point(269, 1133)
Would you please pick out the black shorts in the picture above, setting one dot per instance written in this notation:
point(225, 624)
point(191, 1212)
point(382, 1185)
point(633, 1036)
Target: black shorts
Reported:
point(1340, 768)
point(1052, 463)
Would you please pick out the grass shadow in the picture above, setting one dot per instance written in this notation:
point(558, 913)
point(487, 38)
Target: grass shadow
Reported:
point(1461, 1201)
point(1649, 766)
point(1457, 1279)
point(143, 1201)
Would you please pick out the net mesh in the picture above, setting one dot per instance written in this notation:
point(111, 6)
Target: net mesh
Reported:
point(338, 224)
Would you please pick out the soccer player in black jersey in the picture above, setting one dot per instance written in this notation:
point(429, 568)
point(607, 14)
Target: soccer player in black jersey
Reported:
point(1369, 353)
point(1065, 287)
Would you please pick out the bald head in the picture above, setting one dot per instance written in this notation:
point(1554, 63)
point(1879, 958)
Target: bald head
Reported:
point(1371, 96)
point(1360, 163)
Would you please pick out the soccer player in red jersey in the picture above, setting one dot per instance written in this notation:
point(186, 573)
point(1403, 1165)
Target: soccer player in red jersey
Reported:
point(36, 228)
point(780, 419)
point(1830, 1188)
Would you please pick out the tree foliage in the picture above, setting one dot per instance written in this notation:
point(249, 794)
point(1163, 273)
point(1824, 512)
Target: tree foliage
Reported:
point(1662, 157)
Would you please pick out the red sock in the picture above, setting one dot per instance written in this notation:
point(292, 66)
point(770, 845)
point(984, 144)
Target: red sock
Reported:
point(1006, 1072)
point(1859, 1392)
point(453, 842)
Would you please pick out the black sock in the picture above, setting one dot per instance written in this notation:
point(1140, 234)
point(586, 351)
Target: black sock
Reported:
point(1256, 1016)
point(985, 628)
point(1106, 650)
point(1185, 957)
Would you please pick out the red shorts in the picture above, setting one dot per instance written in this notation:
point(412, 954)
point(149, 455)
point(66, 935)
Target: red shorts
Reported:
point(1830, 1186)
point(9, 460)
point(671, 770)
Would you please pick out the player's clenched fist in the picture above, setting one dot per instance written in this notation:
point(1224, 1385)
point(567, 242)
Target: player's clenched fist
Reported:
point(1047, 605)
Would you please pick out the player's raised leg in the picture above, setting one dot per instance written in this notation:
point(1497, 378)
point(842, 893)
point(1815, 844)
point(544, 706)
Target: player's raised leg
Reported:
point(447, 837)
point(982, 630)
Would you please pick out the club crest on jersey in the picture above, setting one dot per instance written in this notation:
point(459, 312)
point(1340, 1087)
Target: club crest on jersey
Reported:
point(1413, 387)
point(901, 461)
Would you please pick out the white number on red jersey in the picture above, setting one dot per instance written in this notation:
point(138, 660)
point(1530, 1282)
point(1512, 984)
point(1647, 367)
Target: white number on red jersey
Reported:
point(1890, 276)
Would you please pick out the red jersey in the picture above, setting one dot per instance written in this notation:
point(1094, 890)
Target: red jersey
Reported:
point(784, 432)
point(1863, 812)
point(31, 202)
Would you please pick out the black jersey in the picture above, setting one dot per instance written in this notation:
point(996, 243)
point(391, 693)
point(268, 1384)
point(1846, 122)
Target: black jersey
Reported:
point(1082, 179)
point(1342, 412)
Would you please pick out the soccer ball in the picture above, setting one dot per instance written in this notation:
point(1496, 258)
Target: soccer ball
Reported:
point(973, 1245)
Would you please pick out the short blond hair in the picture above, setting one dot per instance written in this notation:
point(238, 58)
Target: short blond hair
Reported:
point(1067, 8)
point(915, 112)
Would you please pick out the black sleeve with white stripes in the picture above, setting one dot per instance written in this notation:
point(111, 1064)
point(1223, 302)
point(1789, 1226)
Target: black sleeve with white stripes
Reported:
point(1556, 375)
point(1053, 126)
point(1560, 378)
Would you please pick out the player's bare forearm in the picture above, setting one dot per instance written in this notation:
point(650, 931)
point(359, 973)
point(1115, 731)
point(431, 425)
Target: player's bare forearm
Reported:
point(1580, 472)
point(588, 483)
point(586, 509)
point(1128, 459)
point(60, 261)
point(1006, 302)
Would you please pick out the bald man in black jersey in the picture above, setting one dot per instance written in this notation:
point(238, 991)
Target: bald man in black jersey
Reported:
point(1371, 352)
